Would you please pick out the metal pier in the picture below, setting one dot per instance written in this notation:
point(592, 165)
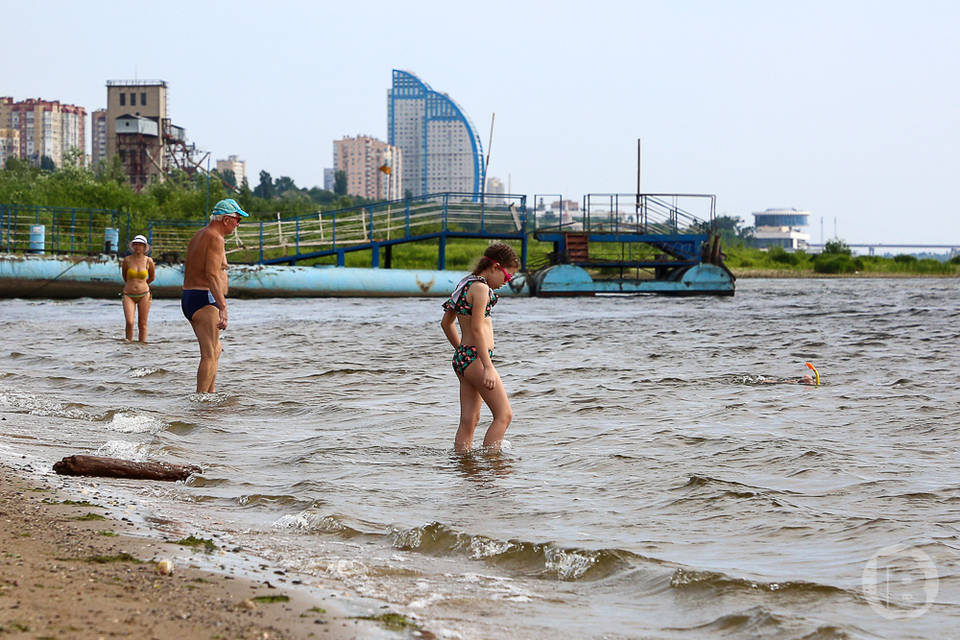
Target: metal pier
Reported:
point(683, 255)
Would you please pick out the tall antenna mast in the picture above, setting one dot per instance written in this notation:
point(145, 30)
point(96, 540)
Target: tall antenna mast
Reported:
point(486, 162)
point(638, 166)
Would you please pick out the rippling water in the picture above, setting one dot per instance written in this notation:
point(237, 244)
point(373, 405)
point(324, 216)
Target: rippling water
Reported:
point(651, 486)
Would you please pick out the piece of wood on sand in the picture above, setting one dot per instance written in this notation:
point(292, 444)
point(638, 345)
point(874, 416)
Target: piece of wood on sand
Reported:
point(101, 467)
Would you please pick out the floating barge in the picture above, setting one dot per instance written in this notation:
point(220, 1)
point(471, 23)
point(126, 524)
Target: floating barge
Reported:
point(665, 247)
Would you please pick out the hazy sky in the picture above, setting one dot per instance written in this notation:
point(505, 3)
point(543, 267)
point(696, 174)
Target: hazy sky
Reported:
point(848, 109)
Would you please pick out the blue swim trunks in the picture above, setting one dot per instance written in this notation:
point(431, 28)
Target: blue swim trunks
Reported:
point(191, 300)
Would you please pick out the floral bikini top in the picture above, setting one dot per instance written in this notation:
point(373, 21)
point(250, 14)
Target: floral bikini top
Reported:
point(459, 303)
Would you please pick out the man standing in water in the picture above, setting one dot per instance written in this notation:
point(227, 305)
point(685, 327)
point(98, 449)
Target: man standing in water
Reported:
point(204, 297)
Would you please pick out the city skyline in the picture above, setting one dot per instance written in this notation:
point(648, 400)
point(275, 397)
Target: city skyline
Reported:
point(840, 109)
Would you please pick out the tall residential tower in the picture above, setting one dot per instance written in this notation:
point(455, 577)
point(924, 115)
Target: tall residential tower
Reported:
point(98, 136)
point(441, 149)
point(372, 167)
point(44, 128)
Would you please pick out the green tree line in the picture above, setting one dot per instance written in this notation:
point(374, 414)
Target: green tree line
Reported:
point(179, 196)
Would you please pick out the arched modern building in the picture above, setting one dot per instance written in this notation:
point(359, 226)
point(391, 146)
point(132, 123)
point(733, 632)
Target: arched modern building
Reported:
point(441, 149)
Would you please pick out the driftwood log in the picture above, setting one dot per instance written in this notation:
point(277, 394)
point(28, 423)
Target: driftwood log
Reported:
point(116, 468)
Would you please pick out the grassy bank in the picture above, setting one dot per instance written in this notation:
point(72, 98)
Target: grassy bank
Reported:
point(777, 263)
point(743, 262)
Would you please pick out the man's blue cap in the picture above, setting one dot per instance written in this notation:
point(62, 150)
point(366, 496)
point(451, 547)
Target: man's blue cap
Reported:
point(228, 207)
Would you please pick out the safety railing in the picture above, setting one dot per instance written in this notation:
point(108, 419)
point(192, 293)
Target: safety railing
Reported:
point(268, 237)
point(645, 213)
point(62, 230)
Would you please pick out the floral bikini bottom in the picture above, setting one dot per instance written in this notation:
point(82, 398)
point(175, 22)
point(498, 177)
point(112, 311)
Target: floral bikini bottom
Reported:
point(464, 355)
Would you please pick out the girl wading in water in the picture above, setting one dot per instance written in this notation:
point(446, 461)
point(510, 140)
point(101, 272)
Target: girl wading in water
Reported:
point(138, 272)
point(470, 305)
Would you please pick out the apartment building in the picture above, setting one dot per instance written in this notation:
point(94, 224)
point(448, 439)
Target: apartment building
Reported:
point(45, 128)
point(372, 167)
point(9, 145)
point(98, 136)
point(495, 190)
point(232, 163)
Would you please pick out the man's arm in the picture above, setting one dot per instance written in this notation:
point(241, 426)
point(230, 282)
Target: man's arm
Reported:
point(214, 275)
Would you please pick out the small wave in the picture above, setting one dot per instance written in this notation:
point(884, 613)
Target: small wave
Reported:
point(181, 428)
point(143, 372)
point(347, 371)
point(899, 382)
point(313, 521)
point(132, 422)
point(217, 399)
point(538, 559)
point(135, 451)
point(758, 621)
point(543, 560)
point(41, 406)
point(263, 500)
point(204, 481)
point(692, 579)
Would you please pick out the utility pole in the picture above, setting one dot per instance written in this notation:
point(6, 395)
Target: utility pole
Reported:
point(638, 168)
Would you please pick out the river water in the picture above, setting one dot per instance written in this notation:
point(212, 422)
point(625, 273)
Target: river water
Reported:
point(652, 486)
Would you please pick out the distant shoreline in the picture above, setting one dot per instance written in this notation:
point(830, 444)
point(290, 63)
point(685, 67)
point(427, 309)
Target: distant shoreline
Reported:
point(786, 273)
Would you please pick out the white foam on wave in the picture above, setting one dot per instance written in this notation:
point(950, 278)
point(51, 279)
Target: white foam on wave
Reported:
point(143, 372)
point(569, 565)
point(481, 547)
point(498, 587)
point(293, 521)
point(209, 398)
point(39, 406)
point(309, 521)
point(346, 568)
point(134, 451)
point(132, 422)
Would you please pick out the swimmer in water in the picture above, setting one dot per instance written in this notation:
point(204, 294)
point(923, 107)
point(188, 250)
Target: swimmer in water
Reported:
point(804, 379)
point(811, 379)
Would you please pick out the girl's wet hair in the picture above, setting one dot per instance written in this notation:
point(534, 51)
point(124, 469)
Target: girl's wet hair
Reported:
point(497, 252)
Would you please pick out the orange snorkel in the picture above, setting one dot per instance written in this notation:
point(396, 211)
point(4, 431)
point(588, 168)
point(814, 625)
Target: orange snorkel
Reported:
point(815, 372)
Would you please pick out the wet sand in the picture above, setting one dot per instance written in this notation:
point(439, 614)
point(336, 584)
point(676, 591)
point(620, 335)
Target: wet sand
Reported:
point(65, 573)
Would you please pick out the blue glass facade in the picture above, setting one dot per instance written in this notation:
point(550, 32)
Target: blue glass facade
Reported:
point(781, 219)
point(441, 149)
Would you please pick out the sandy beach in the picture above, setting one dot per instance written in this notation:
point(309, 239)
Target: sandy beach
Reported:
point(69, 570)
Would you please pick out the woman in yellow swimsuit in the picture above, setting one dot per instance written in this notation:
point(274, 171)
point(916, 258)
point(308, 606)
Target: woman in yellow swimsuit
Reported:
point(138, 272)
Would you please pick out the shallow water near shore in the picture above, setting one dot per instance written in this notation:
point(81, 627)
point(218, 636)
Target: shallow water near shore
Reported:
point(650, 488)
